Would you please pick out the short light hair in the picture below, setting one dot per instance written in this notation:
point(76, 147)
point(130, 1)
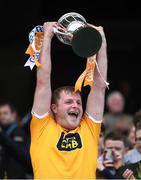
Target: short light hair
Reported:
point(56, 93)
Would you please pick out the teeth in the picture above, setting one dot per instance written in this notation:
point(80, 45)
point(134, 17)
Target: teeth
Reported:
point(73, 113)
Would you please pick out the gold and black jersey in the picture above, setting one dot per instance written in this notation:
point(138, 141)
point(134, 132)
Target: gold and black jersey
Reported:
point(56, 153)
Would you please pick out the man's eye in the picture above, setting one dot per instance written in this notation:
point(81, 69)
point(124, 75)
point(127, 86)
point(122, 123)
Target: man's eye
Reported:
point(79, 103)
point(68, 102)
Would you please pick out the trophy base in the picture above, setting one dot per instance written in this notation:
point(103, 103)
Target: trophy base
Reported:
point(86, 42)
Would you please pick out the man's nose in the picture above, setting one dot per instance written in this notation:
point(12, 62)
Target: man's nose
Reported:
point(74, 104)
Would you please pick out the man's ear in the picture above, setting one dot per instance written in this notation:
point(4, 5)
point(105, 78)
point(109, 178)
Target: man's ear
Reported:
point(54, 108)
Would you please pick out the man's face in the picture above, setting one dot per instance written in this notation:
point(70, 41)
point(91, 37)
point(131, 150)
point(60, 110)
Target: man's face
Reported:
point(138, 140)
point(116, 104)
point(68, 110)
point(117, 146)
point(6, 115)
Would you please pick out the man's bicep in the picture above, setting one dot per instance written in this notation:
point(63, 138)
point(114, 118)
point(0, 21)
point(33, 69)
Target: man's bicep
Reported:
point(95, 104)
point(42, 99)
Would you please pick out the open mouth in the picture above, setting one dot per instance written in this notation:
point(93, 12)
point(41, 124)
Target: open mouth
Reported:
point(73, 114)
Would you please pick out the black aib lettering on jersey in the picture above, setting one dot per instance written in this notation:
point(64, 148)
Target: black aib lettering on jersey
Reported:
point(69, 142)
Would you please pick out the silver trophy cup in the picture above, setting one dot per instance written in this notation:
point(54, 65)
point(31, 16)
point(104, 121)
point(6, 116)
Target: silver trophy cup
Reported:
point(73, 30)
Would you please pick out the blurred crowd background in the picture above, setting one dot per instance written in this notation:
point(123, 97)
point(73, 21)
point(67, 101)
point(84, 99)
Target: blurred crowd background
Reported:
point(121, 127)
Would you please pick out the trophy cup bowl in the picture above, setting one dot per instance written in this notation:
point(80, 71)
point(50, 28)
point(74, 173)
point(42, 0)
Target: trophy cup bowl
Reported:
point(73, 30)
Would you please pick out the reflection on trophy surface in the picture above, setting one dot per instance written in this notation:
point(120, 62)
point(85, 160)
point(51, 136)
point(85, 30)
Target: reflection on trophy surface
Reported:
point(73, 30)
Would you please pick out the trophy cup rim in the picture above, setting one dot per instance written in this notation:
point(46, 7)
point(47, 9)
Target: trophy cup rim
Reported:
point(67, 14)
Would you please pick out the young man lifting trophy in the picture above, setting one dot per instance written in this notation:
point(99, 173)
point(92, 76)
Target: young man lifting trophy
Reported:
point(64, 139)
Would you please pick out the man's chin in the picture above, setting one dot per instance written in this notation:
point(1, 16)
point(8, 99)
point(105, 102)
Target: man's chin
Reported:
point(74, 123)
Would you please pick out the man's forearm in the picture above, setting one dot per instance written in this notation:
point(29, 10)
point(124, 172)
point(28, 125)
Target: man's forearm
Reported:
point(44, 72)
point(99, 77)
point(42, 98)
point(95, 102)
point(99, 87)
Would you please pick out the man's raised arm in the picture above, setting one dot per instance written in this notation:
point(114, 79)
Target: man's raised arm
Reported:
point(42, 97)
point(95, 101)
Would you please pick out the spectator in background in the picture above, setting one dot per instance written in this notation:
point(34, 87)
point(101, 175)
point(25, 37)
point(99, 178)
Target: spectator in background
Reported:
point(14, 160)
point(134, 155)
point(115, 103)
point(136, 121)
point(111, 164)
